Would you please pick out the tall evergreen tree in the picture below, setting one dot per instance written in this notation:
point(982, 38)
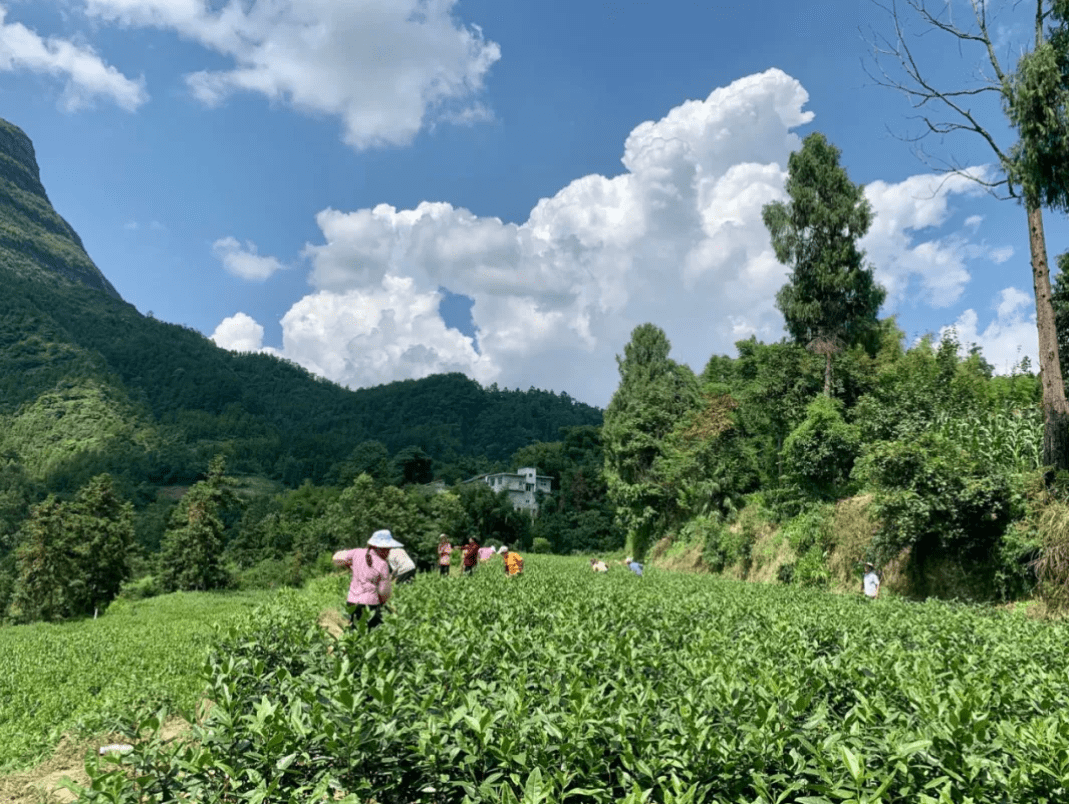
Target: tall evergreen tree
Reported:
point(45, 562)
point(654, 393)
point(102, 525)
point(831, 298)
point(74, 555)
point(192, 550)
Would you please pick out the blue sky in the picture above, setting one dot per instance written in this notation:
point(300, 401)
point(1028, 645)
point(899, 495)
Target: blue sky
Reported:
point(384, 189)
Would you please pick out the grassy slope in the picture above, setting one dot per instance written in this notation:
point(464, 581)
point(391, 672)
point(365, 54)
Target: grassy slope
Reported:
point(74, 676)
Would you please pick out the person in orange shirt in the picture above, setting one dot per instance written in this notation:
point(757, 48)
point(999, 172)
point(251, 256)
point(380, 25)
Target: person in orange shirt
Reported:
point(513, 562)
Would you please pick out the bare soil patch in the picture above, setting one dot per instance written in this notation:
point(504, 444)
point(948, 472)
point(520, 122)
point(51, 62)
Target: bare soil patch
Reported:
point(42, 784)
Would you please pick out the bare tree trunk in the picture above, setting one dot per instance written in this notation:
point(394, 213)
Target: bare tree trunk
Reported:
point(1055, 407)
point(827, 374)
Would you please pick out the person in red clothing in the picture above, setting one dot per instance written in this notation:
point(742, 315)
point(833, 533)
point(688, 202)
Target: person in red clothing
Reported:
point(445, 554)
point(471, 555)
point(370, 586)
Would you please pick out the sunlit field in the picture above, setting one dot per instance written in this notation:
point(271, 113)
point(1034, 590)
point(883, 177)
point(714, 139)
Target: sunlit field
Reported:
point(564, 685)
point(77, 676)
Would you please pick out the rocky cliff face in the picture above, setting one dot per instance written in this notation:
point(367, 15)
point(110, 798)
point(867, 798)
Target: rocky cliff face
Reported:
point(34, 240)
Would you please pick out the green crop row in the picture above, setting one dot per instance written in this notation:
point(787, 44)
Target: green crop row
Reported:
point(564, 685)
point(79, 676)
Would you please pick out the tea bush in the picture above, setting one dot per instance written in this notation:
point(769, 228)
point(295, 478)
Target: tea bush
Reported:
point(80, 676)
point(608, 688)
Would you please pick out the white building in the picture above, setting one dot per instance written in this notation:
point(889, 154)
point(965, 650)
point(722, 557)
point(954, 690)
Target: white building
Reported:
point(522, 486)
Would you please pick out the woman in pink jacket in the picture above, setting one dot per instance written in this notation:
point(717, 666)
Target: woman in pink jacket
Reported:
point(369, 588)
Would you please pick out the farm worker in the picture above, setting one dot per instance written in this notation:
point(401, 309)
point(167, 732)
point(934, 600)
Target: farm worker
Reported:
point(503, 550)
point(471, 552)
point(370, 587)
point(598, 565)
point(513, 563)
point(486, 553)
point(635, 567)
point(870, 584)
point(402, 566)
point(445, 550)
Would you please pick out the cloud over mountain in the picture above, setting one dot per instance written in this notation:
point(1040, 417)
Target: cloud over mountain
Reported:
point(676, 239)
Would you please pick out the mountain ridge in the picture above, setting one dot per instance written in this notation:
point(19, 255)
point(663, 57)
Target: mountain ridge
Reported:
point(89, 384)
point(33, 236)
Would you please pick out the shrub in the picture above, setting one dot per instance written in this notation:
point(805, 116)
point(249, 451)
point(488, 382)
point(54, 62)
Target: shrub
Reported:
point(852, 529)
point(1052, 568)
point(819, 454)
point(143, 587)
point(808, 528)
point(808, 534)
point(540, 545)
point(271, 573)
point(718, 546)
point(930, 496)
point(811, 568)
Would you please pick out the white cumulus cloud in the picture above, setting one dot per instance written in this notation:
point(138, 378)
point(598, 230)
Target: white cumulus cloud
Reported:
point(907, 207)
point(240, 333)
point(88, 77)
point(244, 261)
point(1008, 337)
point(675, 239)
point(378, 334)
point(385, 68)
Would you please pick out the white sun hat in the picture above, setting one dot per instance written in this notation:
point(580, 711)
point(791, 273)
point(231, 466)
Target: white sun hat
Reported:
point(383, 538)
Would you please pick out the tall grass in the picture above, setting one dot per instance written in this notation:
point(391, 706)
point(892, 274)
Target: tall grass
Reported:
point(1052, 566)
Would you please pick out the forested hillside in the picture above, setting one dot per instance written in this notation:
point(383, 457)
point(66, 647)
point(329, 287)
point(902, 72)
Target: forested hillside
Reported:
point(90, 386)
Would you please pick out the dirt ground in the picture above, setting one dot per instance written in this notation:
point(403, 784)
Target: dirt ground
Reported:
point(333, 621)
point(41, 784)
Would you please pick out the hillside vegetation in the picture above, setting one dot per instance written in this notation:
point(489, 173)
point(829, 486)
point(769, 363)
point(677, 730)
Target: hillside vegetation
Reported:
point(90, 387)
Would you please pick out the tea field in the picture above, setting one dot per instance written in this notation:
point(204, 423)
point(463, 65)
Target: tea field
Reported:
point(78, 676)
point(562, 685)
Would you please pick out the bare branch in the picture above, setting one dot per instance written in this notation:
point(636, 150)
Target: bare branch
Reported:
point(919, 91)
point(955, 168)
point(949, 28)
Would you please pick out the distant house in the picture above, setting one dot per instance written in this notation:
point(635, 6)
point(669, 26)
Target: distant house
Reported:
point(522, 486)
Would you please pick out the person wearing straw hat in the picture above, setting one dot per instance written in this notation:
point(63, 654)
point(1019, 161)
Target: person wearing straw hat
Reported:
point(870, 584)
point(370, 586)
point(513, 562)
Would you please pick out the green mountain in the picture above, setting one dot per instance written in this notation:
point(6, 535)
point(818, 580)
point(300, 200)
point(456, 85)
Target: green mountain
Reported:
point(88, 384)
point(34, 240)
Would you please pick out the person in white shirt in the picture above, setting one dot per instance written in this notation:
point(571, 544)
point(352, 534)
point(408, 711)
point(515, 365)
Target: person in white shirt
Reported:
point(870, 584)
point(402, 567)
